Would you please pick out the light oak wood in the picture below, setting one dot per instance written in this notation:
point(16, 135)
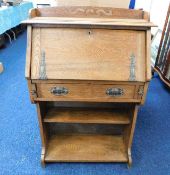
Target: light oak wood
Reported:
point(41, 112)
point(86, 20)
point(108, 27)
point(44, 138)
point(33, 90)
point(33, 13)
point(86, 148)
point(118, 100)
point(100, 63)
point(133, 124)
point(144, 93)
point(81, 115)
point(146, 15)
point(129, 132)
point(148, 55)
point(87, 50)
point(84, 91)
point(92, 21)
point(36, 50)
point(87, 82)
point(91, 12)
point(28, 54)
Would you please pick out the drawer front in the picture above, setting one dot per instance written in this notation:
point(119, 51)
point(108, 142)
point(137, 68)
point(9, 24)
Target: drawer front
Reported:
point(90, 92)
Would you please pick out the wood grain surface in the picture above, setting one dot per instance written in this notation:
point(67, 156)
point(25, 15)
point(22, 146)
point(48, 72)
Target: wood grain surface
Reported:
point(86, 148)
point(82, 115)
point(91, 12)
point(87, 50)
point(85, 91)
point(89, 21)
point(84, 54)
point(28, 53)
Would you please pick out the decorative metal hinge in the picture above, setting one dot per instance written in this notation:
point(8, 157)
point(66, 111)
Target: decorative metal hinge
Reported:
point(141, 91)
point(42, 70)
point(132, 76)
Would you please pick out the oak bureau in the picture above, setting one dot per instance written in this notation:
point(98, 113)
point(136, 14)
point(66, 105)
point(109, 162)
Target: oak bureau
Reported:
point(88, 70)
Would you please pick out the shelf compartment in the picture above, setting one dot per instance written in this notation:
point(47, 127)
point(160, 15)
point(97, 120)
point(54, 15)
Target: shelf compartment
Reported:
point(86, 148)
point(80, 115)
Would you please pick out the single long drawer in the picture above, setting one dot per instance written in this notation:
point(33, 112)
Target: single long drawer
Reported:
point(86, 92)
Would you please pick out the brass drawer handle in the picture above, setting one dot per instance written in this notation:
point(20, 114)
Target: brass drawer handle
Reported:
point(115, 92)
point(59, 91)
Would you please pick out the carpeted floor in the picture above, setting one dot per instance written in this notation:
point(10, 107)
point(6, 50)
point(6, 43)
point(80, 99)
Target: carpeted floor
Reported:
point(19, 133)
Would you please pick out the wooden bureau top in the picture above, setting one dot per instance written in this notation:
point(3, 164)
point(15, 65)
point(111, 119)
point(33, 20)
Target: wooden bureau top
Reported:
point(89, 47)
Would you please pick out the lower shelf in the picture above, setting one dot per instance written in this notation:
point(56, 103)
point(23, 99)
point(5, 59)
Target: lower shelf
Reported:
point(86, 148)
point(80, 115)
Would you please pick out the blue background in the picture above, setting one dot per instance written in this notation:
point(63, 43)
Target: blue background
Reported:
point(12, 16)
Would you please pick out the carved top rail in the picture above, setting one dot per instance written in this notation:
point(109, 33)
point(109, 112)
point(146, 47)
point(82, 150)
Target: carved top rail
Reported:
point(91, 12)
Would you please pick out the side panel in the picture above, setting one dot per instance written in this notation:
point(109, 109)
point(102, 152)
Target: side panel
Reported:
point(28, 53)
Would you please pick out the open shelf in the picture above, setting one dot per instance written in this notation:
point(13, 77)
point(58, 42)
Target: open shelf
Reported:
point(86, 148)
point(80, 115)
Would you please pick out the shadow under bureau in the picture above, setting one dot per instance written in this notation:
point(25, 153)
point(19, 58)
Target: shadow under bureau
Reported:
point(88, 70)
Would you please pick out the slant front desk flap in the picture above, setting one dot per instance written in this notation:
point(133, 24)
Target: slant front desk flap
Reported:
point(87, 67)
point(88, 54)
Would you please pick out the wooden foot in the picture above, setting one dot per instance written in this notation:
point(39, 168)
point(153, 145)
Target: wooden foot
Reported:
point(43, 157)
point(129, 159)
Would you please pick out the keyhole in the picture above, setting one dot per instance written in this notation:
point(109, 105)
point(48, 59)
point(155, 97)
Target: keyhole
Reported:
point(90, 32)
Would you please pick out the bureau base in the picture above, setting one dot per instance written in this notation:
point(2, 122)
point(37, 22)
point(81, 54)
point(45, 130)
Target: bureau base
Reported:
point(88, 134)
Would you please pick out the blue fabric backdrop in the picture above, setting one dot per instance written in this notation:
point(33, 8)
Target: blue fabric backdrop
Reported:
point(12, 16)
